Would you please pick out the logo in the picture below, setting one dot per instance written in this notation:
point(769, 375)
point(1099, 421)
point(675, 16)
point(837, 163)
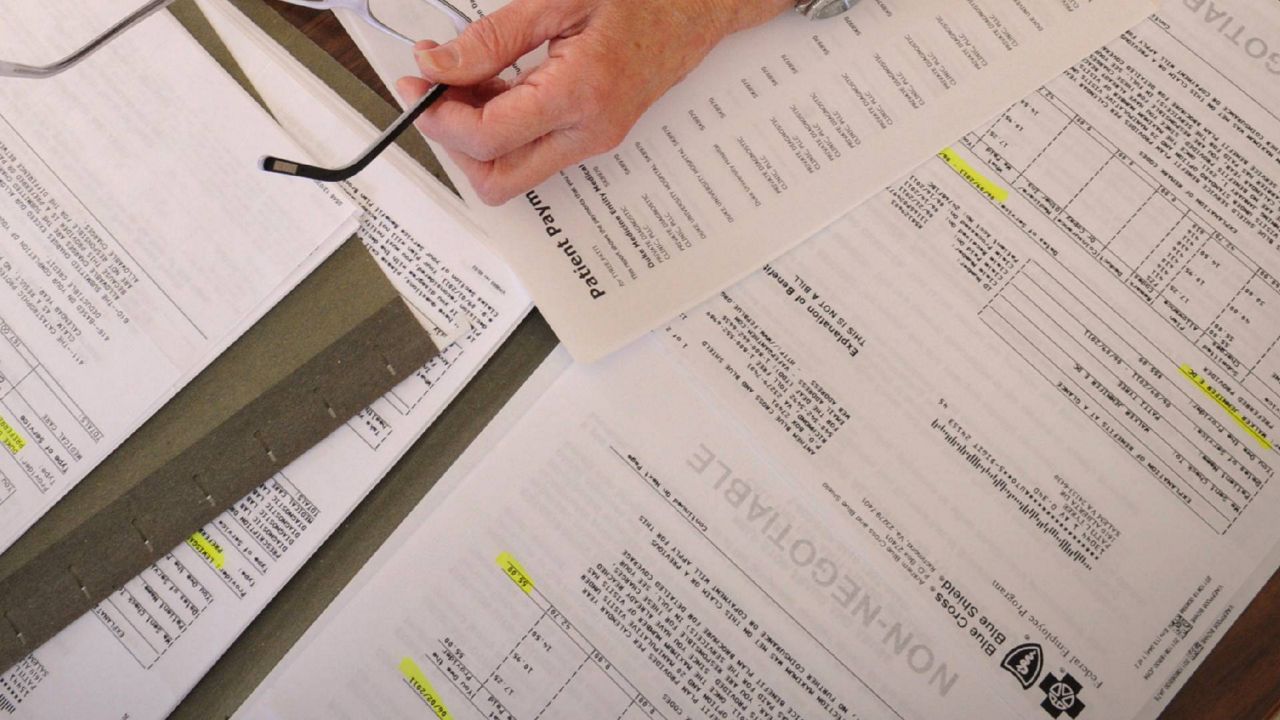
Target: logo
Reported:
point(1061, 696)
point(1025, 663)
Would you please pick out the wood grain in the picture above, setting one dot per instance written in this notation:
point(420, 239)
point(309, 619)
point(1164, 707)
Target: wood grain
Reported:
point(325, 30)
point(1240, 680)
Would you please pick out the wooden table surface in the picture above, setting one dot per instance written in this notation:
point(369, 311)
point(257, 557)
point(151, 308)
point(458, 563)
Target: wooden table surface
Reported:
point(1239, 680)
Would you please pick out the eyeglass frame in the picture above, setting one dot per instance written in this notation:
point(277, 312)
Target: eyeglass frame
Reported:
point(271, 164)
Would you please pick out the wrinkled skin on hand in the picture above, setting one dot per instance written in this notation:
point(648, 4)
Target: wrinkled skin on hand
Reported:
point(608, 61)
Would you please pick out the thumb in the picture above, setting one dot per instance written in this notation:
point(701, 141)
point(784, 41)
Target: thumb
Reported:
point(495, 41)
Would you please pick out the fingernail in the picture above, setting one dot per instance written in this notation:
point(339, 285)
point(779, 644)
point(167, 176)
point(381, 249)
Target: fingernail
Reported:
point(441, 59)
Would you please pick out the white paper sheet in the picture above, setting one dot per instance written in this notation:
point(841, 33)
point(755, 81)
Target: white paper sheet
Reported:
point(998, 444)
point(139, 652)
point(782, 129)
point(137, 237)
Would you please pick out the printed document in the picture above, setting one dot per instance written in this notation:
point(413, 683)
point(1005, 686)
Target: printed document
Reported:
point(999, 444)
point(139, 652)
point(137, 237)
point(783, 129)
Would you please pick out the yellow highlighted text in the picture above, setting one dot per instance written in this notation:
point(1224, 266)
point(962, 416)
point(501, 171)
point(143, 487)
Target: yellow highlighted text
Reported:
point(975, 178)
point(10, 437)
point(207, 548)
point(1203, 383)
point(515, 572)
point(418, 680)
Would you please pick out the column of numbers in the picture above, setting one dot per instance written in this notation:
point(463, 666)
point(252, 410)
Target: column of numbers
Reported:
point(1142, 233)
point(551, 671)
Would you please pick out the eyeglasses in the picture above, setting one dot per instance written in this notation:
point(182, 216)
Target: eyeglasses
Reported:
point(403, 20)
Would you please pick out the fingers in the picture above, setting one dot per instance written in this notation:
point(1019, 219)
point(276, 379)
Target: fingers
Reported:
point(495, 41)
point(507, 139)
point(579, 102)
point(497, 181)
point(500, 122)
point(411, 89)
point(460, 119)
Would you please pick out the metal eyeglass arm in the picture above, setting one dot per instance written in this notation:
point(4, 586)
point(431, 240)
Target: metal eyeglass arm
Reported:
point(281, 166)
point(13, 69)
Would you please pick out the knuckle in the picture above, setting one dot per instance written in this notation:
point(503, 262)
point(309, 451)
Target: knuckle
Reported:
point(593, 85)
point(491, 195)
point(484, 152)
point(487, 36)
point(482, 148)
point(603, 135)
point(611, 137)
point(592, 98)
point(492, 137)
point(482, 183)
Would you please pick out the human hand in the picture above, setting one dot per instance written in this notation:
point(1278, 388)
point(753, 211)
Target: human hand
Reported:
point(608, 61)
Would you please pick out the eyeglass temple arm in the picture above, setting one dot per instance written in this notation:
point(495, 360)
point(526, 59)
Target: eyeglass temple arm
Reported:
point(281, 166)
point(457, 17)
point(13, 69)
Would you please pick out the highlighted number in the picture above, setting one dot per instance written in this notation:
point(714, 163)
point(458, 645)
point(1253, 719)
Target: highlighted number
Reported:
point(513, 570)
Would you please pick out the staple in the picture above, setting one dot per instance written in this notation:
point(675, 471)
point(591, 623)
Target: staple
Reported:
point(71, 570)
point(195, 479)
point(390, 368)
point(18, 633)
point(328, 407)
point(145, 540)
point(270, 453)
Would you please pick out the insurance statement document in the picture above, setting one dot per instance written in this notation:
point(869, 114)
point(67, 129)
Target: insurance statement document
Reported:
point(137, 237)
point(780, 131)
point(1001, 444)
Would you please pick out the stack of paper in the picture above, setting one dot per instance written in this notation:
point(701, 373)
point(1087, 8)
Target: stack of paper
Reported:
point(138, 239)
point(997, 444)
point(140, 651)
